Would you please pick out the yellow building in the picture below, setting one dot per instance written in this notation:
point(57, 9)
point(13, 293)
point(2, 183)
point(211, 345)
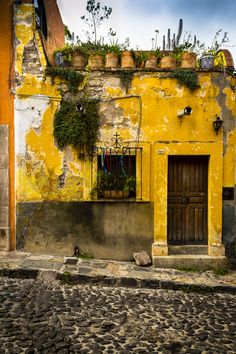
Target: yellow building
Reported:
point(161, 176)
point(44, 21)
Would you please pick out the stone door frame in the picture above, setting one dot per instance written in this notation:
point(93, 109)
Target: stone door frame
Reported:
point(213, 149)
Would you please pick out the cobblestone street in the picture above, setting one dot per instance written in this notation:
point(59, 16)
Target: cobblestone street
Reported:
point(40, 317)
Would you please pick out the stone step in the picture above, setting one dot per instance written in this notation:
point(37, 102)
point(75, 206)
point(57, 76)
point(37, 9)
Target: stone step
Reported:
point(188, 249)
point(202, 262)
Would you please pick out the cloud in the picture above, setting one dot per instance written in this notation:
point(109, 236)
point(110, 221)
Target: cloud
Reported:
point(206, 8)
point(138, 19)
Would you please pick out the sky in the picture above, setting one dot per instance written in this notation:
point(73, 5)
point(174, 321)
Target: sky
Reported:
point(138, 20)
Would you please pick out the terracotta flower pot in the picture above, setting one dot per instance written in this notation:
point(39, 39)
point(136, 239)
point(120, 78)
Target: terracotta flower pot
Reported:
point(188, 60)
point(95, 62)
point(78, 60)
point(151, 62)
point(111, 61)
point(168, 62)
point(127, 60)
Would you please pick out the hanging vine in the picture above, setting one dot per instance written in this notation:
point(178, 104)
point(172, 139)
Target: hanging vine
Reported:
point(126, 77)
point(73, 78)
point(77, 125)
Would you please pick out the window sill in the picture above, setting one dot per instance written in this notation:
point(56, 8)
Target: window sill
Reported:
point(118, 200)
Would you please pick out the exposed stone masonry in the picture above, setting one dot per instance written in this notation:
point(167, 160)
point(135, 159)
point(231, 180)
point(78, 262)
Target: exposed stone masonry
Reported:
point(31, 63)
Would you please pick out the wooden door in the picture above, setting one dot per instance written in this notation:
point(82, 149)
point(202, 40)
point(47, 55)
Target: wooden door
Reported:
point(187, 199)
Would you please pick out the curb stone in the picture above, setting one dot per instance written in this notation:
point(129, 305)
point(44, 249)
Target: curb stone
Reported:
point(110, 281)
point(20, 273)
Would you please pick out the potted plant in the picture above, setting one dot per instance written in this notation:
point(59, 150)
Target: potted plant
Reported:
point(111, 59)
point(128, 59)
point(112, 56)
point(95, 53)
point(168, 61)
point(62, 56)
point(79, 57)
point(206, 60)
point(182, 52)
point(109, 186)
point(130, 186)
point(141, 58)
point(71, 55)
point(113, 51)
point(186, 54)
point(96, 57)
point(95, 61)
point(188, 60)
point(153, 59)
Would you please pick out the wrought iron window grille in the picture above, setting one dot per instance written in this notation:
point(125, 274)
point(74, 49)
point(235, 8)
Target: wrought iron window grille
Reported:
point(119, 170)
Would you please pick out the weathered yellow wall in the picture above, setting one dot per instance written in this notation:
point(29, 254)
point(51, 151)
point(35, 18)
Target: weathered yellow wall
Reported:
point(229, 171)
point(147, 113)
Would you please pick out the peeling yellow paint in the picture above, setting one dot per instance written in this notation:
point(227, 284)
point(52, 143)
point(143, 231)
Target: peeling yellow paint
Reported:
point(42, 58)
point(131, 108)
point(38, 177)
point(43, 145)
point(230, 100)
point(38, 86)
point(113, 91)
point(229, 161)
point(24, 32)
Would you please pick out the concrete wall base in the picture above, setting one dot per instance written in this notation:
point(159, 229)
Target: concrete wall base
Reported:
point(4, 189)
point(103, 230)
point(5, 239)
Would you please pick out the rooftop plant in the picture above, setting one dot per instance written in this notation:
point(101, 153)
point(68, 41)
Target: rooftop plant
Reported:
point(219, 40)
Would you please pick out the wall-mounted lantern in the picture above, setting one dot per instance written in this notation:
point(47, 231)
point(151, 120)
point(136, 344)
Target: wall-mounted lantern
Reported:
point(185, 112)
point(217, 124)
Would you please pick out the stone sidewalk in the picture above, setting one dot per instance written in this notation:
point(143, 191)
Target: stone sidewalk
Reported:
point(74, 270)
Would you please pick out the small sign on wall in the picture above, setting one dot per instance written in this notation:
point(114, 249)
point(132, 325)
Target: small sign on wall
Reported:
point(160, 152)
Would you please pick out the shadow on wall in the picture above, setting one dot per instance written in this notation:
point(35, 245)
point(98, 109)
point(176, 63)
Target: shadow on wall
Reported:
point(103, 230)
point(229, 230)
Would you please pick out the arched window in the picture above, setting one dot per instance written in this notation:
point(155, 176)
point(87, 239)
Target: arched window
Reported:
point(41, 21)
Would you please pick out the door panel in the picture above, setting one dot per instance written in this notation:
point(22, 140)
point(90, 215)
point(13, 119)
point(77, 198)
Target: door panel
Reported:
point(187, 199)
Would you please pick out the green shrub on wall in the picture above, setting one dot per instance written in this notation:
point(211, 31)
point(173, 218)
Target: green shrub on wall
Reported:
point(77, 125)
point(189, 78)
point(73, 78)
